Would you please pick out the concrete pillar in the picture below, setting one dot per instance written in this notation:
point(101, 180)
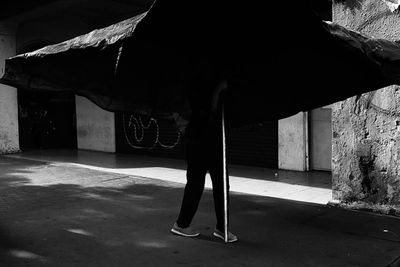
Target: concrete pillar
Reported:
point(9, 139)
point(366, 128)
point(293, 142)
point(95, 126)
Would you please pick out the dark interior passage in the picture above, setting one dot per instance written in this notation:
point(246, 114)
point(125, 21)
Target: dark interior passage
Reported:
point(46, 120)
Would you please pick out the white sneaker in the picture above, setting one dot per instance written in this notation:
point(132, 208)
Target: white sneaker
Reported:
point(231, 237)
point(187, 232)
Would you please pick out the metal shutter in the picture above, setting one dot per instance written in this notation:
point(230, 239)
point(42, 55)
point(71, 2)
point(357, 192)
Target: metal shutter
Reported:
point(252, 146)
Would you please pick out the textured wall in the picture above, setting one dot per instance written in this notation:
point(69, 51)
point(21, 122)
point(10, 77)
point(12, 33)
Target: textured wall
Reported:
point(292, 143)
point(366, 128)
point(95, 126)
point(9, 141)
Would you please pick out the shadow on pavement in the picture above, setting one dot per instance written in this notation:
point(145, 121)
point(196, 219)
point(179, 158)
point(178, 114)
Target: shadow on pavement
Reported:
point(80, 217)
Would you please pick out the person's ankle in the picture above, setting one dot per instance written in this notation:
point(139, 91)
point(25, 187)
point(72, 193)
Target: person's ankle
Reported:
point(177, 224)
point(220, 229)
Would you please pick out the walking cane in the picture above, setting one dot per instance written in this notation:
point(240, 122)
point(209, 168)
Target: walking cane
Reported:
point(225, 174)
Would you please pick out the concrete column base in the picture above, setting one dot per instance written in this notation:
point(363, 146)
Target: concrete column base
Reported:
point(9, 137)
point(293, 143)
point(95, 126)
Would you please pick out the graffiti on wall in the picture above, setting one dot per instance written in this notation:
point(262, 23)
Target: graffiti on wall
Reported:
point(144, 133)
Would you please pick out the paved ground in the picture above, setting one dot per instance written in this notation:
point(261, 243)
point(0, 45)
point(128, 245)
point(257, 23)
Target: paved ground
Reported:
point(312, 187)
point(58, 214)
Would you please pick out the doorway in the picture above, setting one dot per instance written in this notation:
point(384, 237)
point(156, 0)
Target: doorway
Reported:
point(46, 120)
point(321, 139)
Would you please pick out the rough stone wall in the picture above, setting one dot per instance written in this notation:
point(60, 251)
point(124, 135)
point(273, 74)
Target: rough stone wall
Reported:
point(366, 128)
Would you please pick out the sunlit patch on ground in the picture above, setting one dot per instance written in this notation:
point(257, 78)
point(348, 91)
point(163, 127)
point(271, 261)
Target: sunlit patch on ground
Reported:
point(79, 232)
point(22, 254)
point(152, 244)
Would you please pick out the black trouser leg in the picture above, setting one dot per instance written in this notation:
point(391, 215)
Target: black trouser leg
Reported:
point(195, 175)
point(216, 173)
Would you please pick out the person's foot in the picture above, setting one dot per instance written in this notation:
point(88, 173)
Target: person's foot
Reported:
point(187, 232)
point(231, 237)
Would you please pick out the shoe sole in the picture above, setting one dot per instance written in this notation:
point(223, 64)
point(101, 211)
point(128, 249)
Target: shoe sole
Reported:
point(221, 237)
point(183, 234)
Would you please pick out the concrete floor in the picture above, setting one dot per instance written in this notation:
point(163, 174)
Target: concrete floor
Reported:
point(312, 187)
point(61, 214)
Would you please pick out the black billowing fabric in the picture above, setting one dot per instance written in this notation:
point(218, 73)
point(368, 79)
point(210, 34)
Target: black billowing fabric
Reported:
point(277, 61)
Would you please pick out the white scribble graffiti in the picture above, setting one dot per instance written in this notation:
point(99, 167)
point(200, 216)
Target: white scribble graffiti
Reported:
point(138, 128)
